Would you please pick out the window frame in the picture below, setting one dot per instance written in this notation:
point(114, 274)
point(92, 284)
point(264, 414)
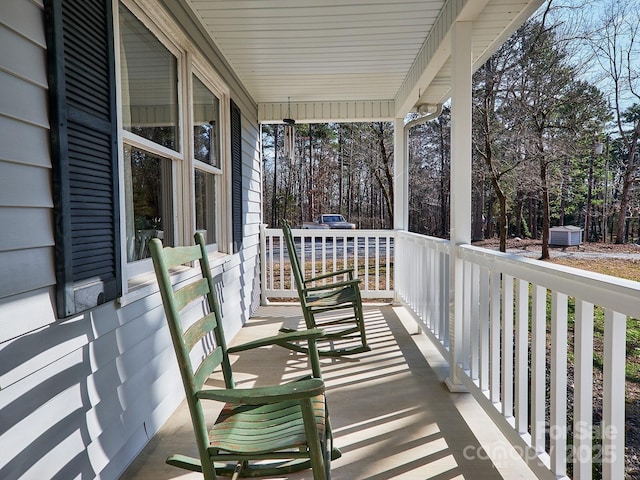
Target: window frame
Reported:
point(183, 165)
point(215, 85)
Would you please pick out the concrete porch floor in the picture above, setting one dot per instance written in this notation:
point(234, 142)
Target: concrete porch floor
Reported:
point(391, 413)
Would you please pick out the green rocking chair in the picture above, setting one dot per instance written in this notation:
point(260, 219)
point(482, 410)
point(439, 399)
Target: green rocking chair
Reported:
point(345, 332)
point(262, 431)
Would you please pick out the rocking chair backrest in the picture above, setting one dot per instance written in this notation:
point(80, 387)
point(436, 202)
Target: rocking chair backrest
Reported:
point(294, 261)
point(180, 305)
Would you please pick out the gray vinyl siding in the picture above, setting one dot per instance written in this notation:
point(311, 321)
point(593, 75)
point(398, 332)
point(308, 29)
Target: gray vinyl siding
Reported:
point(26, 241)
point(80, 398)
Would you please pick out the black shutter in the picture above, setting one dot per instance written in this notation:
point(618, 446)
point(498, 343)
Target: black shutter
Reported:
point(82, 96)
point(236, 176)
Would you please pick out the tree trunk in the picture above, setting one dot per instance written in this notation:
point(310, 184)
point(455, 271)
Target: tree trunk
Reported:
point(311, 180)
point(444, 207)
point(477, 227)
point(587, 217)
point(500, 196)
point(626, 184)
point(545, 210)
point(341, 168)
point(385, 187)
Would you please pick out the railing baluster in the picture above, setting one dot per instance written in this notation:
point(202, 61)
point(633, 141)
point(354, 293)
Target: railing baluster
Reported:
point(420, 284)
point(483, 313)
point(613, 416)
point(538, 367)
point(356, 247)
point(507, 346)
point(445, 258)
point(366, 262)
point(427, 291)
point(433, 297)
point(431, 294)
point(335, 253)
point(495, 329)
point(558, 432)
point(345, 256)
point(271, 263)
point(281, 272)
point(388, 266)
point(263, 263)
point(377, 263)
point(583, 391)
point(314, 239)
point(522, 354)
point(465, 354)
point(475, 323)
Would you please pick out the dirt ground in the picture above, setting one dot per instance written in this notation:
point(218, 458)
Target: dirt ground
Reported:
point(531, 247)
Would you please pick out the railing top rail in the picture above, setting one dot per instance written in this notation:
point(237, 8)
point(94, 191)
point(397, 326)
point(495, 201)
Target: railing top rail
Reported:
point(419, 236)
point(610, 292)
point(310, 232)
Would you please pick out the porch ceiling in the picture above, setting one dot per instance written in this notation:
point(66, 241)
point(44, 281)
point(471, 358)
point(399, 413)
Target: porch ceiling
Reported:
point(350, 59)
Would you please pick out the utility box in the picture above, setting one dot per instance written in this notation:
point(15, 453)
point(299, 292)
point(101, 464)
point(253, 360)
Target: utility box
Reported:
point(566, 235)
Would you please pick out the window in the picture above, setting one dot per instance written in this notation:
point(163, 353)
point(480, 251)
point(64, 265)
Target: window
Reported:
point(149, 92)
point(138, 90)
point(173, 148)
point(206, 155)
point(149, 82)
point(148, 207)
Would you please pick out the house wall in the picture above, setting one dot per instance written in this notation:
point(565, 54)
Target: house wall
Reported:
point(79, 398)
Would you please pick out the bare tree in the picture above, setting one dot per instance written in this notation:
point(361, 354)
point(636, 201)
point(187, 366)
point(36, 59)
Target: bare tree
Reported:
point(615, 41)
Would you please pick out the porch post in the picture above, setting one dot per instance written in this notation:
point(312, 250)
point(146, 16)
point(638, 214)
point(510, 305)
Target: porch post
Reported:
point(461, 62)
point(400, 191)
point(401, 177)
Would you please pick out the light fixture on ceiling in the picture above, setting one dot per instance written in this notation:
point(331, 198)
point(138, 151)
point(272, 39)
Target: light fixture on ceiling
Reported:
point(289, 134)
point(426, 108)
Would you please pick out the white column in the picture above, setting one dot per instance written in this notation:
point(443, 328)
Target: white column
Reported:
point(460, 187)
point(400, 190)
point(401, 177)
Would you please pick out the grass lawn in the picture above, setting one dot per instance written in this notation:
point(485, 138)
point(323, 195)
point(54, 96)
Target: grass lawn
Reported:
point(629, 269)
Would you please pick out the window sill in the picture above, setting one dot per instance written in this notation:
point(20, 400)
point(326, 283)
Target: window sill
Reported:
point(144, 285)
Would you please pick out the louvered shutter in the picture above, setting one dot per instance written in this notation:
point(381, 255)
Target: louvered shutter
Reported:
point(236, 176)
point(80, 48)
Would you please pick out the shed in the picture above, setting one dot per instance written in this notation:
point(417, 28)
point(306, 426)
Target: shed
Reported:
point(565, 235)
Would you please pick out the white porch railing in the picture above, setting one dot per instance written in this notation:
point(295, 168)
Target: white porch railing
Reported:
point(369, 252)
point(515, 350)
point(515, 315)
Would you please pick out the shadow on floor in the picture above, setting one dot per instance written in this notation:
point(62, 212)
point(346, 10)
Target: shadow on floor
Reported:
point(392, 416)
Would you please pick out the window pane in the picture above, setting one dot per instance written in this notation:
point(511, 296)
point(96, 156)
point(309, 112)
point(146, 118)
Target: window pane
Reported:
point(149, 84)
point(148, 201)
point(206, 124)
point(205, 193)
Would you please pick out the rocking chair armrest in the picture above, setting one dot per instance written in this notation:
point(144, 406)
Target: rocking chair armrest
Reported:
point(280, 339)
point(332, 274)
point(260, 395)
point(332, 286)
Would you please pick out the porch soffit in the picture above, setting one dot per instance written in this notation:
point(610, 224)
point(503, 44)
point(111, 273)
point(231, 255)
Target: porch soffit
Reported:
point(350, 60)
